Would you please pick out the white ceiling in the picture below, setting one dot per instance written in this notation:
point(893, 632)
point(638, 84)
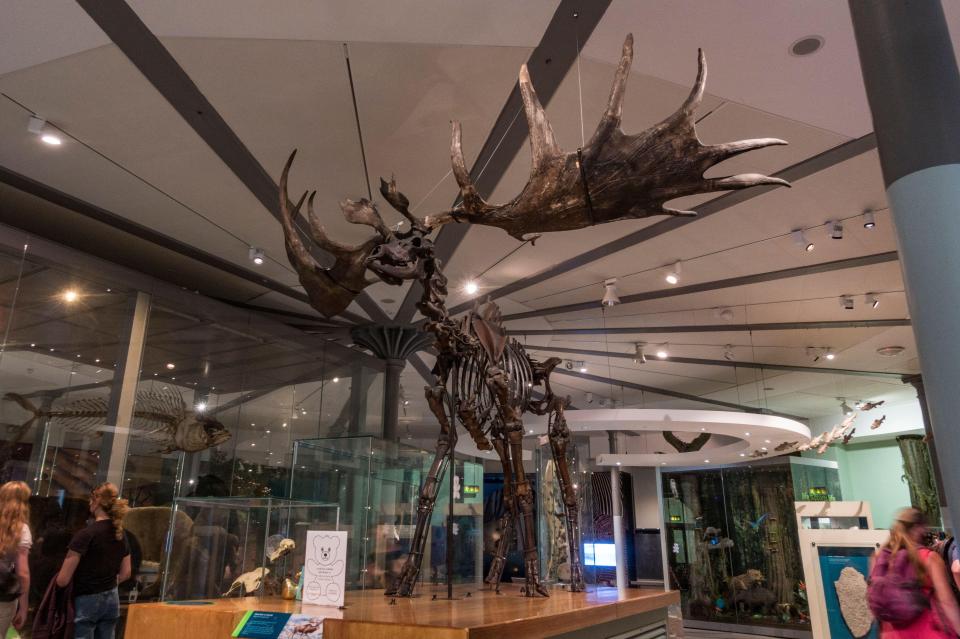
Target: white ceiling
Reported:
point(277, 74)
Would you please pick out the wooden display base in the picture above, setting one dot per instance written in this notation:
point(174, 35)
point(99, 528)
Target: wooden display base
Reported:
point(371, 615)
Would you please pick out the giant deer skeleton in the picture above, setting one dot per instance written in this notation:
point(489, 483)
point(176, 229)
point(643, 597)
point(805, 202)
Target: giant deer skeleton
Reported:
point(481, 379)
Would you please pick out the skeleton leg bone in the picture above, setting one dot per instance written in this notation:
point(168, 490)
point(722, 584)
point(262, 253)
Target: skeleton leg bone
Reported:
point(559, 436)
point(508, 520)
point(523, 494)
point(428, 494)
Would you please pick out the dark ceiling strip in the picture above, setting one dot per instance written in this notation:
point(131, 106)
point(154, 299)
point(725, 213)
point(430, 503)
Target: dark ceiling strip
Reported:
point(318, 320)
point(94, 212)
point(125, 28)
point(743, 280)
point(555, 55)
point(721, 362)
point(717, 328)
point(794, 173)
point(669, 393)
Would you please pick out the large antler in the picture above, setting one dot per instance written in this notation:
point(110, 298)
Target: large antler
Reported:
point(331, 289)
point(616, 176)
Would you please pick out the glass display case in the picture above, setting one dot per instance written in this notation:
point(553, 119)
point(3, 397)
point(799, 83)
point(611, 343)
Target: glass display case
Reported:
point(238, 546)
point(377, 485)
point(552, 531)
point(732, 544)
point(815, 479)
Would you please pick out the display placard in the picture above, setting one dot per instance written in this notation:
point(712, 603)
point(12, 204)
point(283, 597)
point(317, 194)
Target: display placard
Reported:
point(324, 572)
point(258, 624)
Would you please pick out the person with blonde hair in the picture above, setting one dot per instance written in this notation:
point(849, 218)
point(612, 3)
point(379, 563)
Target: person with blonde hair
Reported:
point(15, 542)
point(909, 592)
point(97, 561)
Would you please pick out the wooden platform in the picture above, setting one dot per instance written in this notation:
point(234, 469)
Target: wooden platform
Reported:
point(370, 615)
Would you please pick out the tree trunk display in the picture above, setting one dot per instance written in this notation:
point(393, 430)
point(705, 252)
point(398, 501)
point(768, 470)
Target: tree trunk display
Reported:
point(918, 473)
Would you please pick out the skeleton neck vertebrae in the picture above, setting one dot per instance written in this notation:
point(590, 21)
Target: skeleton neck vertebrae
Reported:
point(481, 379)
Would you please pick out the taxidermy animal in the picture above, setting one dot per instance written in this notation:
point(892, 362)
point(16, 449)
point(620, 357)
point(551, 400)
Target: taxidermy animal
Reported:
point(849, 436)
point(686, 447)
point(159, 417)
point(755, 525)
point(877, 423)
point(785, 446)
point(871, 405)
point(247, 583)
point(481, 380)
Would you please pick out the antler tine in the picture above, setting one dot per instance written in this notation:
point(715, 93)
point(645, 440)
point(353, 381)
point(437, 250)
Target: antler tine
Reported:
point(295, 248)
point(400, 203)
point(610, 121)
point(696, 93)
point(472, 202)
point(543, 143)
point(743, 181)
point(365, 212)
point(319, 234)
point(720, 152)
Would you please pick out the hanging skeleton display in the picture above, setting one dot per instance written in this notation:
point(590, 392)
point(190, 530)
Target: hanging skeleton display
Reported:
point(483, 380)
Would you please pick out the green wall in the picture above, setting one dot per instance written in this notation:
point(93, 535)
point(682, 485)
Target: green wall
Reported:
point(871, 472)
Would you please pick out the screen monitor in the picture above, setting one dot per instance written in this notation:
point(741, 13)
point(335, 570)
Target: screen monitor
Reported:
point(599, 554)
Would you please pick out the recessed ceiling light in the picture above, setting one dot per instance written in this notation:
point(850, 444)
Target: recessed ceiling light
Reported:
point(336, 380)
point(471, 287)
point(51, 139)
point(747, 434)
point(171, 366)
point(831, 355)
point(890, 351)
point(70, 296)
point(663, 352)
point(807, 45)
point(202, 406)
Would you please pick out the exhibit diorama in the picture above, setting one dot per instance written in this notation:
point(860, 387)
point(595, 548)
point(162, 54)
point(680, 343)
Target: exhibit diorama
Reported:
point(443, 319)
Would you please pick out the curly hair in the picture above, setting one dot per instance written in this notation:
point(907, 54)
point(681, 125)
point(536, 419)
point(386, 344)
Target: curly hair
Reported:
point(107, 497)
point(14, 514)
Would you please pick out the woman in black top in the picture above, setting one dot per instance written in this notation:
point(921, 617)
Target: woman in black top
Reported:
point(97, 560)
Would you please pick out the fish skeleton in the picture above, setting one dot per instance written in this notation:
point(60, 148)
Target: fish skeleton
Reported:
point(159, 417)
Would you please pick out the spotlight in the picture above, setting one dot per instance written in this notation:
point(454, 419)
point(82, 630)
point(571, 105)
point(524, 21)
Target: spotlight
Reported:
point(581, 366)
point(610, 297)
point(801, 240)
point(336, 380)
point(836, 230)
point(471, 287)
point(70, 296)
point(831, 355)
point(38, 126)
point(869, 222)
point(872, 300)
point(728, 353)
point(663, 352)
point(256, 255)
point(202, 406)
point(568, 364)
point(846, 302)
point(640, 357)
point(673, 276)
point(171, 366)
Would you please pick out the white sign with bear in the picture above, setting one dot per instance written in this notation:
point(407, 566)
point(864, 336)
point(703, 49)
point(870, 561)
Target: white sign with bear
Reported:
point(324, 572)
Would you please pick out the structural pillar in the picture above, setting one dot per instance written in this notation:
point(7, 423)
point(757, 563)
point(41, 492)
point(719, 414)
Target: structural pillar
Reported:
point(913, 87)
point(616, 501)
point(393, 344)
point(123, 395)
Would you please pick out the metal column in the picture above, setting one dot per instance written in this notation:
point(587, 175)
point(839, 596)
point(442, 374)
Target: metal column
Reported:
point(123, 396)
point(913, 86)
point(616, 500)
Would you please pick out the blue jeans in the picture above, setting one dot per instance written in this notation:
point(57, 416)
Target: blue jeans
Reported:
point(96, 615)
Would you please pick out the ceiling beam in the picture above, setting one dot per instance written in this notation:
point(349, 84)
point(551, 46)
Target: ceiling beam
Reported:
point(717, 328)
point(109, 218)
point(549, 63)
point(721, 362)
point(125, 28)
point(794, 173)
point(743, 280)
point(670, 393)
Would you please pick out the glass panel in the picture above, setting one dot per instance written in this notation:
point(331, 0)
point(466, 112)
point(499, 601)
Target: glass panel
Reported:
point(732, 545)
